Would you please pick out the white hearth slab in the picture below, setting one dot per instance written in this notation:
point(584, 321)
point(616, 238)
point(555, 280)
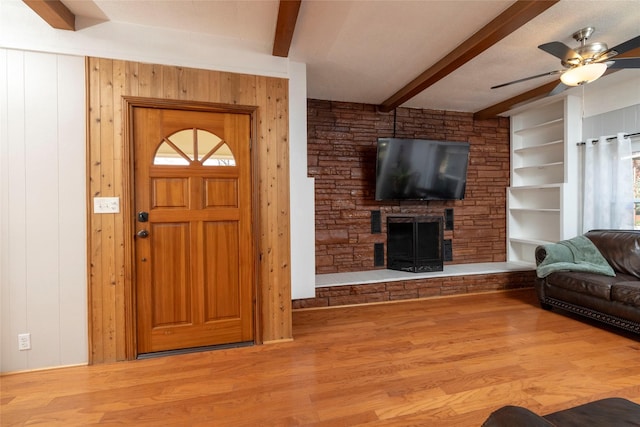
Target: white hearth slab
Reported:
point(378, 276)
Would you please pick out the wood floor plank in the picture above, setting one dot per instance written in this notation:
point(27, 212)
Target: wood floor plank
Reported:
point(445, 362)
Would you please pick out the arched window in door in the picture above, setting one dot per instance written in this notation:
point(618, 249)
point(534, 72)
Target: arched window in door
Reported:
point(193, 147)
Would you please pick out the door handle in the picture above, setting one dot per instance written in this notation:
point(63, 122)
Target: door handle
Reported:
point(143, 234)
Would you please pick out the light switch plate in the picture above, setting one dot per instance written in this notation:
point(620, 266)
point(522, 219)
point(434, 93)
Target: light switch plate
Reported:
point(106, 205)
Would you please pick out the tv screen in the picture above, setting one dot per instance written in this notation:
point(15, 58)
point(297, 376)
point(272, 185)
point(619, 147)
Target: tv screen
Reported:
point(420, 169)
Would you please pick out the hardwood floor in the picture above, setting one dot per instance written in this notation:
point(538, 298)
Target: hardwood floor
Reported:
point(438, 362)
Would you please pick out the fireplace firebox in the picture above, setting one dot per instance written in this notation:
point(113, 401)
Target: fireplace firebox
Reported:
point(414, 243)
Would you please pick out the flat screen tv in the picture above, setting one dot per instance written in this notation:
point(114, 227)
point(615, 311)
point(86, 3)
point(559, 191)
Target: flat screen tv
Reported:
point(421, 169)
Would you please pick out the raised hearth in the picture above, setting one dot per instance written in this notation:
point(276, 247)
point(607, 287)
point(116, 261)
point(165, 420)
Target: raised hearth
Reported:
point(374, 286)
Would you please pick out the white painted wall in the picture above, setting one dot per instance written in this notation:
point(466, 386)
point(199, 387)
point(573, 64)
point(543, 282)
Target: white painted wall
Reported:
point(614, 92)
point(303, 227)
point(42, 167)
point(42, 249)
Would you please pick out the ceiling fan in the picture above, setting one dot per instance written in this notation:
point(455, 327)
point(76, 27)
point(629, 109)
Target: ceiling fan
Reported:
point(586, 62)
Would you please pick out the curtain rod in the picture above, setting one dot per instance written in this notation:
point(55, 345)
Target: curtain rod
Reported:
point(611, 138)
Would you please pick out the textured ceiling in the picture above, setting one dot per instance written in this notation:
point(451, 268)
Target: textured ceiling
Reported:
point(365, 51)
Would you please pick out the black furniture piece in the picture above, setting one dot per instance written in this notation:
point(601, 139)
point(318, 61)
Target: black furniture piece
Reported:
point(611, 300)
point(611, 412)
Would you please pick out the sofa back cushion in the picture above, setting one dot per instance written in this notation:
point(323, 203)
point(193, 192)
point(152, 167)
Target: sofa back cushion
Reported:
point(621, 249)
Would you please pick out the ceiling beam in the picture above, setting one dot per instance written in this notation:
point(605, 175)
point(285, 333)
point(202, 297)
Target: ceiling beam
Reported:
point(54, 13)
point(506, 105)
point(286, 25)
point(518, 14)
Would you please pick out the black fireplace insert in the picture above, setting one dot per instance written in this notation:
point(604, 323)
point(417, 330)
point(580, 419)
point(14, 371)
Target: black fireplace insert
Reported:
point(414, 243)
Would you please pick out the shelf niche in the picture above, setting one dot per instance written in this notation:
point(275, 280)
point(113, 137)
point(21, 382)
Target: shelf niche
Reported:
point(542, 200)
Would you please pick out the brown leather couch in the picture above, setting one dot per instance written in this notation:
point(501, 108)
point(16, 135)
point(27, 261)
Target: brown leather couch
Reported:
point(611, 300)
point(610, 412)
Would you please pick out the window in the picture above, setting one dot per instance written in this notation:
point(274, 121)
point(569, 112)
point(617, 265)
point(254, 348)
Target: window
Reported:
point(194, 146)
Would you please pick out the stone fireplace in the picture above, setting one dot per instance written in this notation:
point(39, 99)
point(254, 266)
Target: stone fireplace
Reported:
point(414, 243)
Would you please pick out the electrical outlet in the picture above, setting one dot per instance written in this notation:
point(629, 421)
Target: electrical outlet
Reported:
point(24, 342)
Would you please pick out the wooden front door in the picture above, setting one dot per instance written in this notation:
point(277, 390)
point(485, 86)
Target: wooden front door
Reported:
point(193, 247)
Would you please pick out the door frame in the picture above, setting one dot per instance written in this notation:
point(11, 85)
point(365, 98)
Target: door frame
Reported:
point(129, 103)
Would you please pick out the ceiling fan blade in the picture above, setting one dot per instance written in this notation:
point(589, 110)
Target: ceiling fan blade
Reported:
point(621, 63)
point(550, 73)
point(627, 46)
point(562, 51)
point(630, 44)
point(605, 56)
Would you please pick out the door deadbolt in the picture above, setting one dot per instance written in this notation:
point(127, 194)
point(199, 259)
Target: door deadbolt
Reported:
point(143, 216)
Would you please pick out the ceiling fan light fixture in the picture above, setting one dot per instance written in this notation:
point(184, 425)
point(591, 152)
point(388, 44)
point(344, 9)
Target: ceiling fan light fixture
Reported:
point(583, 74)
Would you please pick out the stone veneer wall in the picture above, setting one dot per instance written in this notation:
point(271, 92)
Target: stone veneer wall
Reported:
point(419, 288)
point(341, 155)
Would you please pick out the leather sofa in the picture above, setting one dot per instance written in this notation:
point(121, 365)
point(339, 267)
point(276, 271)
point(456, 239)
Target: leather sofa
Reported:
point(612, 411)
point(611, 300)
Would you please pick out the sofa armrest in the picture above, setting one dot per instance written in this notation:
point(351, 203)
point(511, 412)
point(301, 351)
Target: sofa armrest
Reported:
point(540, 254)
point(510, 416)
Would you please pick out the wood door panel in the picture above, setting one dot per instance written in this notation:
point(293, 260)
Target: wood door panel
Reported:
point(170, 274)
point(221, 249)
point(225, 331)
point(220, 214)
point(173, 121)
point(221, 192)
point(169, 192)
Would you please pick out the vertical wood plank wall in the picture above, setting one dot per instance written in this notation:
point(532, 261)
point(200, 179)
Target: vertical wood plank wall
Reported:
point(42, 210)
point(108, 81)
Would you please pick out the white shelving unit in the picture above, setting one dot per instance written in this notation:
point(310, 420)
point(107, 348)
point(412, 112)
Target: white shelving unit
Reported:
point(542, 200)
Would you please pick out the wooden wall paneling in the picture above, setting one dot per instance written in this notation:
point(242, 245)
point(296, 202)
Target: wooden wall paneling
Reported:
point(105, 168)
point(226, 88)
point(119, 87)
point(193, 85)
point(94, 222)
point(275, 245)
point(156, 82)
point(170, 86)
point(284, 327)
point(107, 189)
point(144, 80)
point(259, 143)
point(238, 89)
point(131, 88)
point(131, 80)
point(214, 84)
point(149, 80)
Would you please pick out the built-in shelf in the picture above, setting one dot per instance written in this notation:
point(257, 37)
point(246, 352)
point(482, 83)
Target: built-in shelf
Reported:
point(551, 144)
point(539, 126)
point(540, 166)
point(536, 187)
point(556, 210)
point(541, 201)
point(530, 241)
